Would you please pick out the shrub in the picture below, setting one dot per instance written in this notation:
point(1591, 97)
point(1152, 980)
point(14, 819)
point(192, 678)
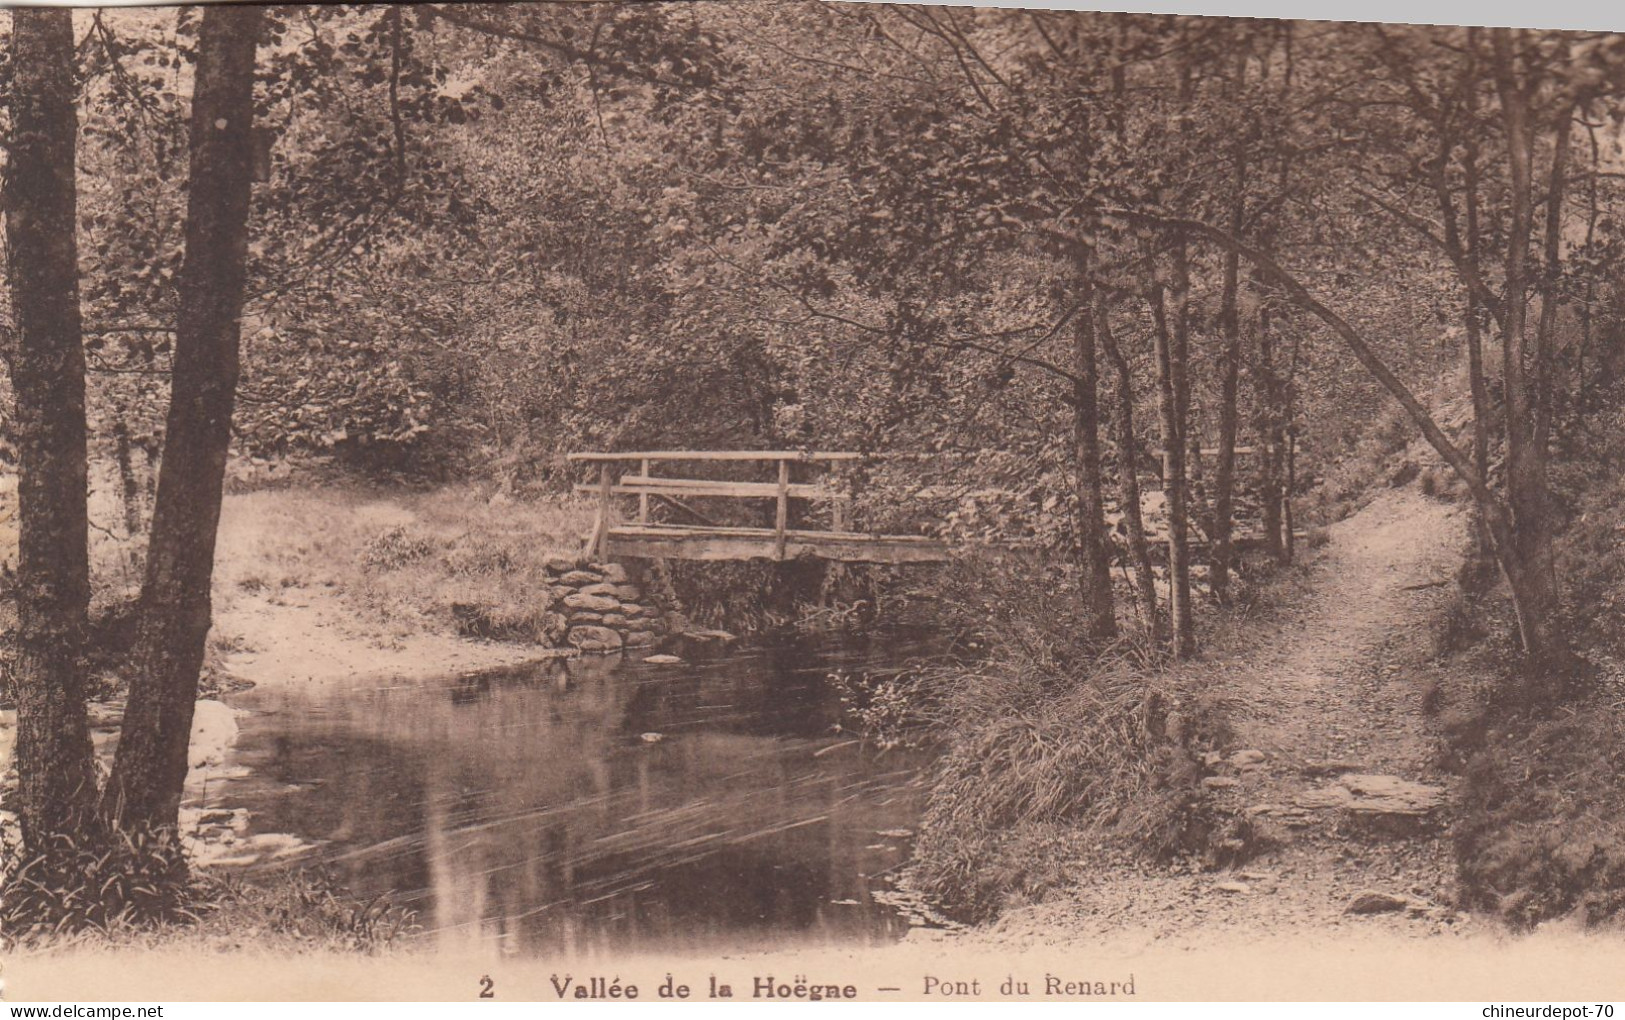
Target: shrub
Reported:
point(125, 882)
point(1037, 745)
point(480, 556)
point(1540, 827)
point(1542, 832)
point(311, 908)
point(891, 707)
point(395, 547)
point(143, 889)
point(530, 622)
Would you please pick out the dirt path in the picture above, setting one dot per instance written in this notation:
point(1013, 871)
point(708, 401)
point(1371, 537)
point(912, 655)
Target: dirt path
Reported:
point(1330, 700)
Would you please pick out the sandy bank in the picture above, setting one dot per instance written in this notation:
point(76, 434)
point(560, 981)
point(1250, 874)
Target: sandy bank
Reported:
point(307, 637)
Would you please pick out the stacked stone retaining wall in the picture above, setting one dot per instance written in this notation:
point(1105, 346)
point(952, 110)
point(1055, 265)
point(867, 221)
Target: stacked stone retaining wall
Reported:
point(604, 609)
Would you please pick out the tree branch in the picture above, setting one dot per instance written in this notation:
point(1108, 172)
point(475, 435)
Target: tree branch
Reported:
point(1464, 268)
point(1351, 338)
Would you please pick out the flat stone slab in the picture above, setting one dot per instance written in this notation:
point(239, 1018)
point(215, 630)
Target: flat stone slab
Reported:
point(591, 603)
point(1391, 794)
point(1374, 795)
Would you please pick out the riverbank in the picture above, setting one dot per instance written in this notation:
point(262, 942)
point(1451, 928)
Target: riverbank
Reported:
point(326, 583)
point(314, 637)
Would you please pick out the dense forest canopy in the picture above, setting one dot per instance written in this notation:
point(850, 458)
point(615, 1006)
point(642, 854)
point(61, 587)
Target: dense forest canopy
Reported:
point(1066, 256)
point(543, 228)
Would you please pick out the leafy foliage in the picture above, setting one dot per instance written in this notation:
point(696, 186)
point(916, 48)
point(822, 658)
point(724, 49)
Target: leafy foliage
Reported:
point(131, 880)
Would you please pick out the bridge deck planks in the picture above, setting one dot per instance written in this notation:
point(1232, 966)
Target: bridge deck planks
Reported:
point(701, 543)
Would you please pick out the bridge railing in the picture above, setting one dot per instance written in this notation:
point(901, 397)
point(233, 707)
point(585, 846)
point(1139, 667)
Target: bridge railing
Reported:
point(613, 481)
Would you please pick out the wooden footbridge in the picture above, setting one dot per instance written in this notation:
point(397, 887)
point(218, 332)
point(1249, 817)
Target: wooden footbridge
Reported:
point(623, 475)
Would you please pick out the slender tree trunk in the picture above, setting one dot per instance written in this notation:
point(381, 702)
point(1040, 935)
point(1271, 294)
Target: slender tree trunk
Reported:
point(1474, 321)
point(1169, 405)
point(1179, 565)
point(1094, 555)
point(1224, 468)
point(129, 485)
point(1273, 434)
point(1593, 212)
point(1196, 501)
point(1527, 563)
point(1289, 430)
point(1550, 280)
point(56, 794)
point(1289, 540)
point(1481, 406)
point(1128, 466)
point(150, 768)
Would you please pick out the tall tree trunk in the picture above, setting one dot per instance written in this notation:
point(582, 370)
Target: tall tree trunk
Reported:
point(1593, 213)
point(1480, 389)
point(55, 769)
point(1094, 554)
point(1224, 463)
point(1473, 318)
point(129, 485)
point(1196, 501)
point(150, 768)
point(1529, 566)
point(1169, 408)
point(1179, 564)
point(1551, 279)
point(1224, 468)
point(1128, 468)
point(1272, 432)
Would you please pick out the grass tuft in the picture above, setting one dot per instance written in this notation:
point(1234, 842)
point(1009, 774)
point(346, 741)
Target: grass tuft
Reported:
point(1055, 746)
point(128, 882)
point(142, 890)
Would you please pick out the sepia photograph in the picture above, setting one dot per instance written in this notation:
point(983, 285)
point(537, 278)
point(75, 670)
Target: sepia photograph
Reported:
point(798, 500)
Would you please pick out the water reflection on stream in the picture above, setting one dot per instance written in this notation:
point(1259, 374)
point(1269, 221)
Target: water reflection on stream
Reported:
point(535, 810)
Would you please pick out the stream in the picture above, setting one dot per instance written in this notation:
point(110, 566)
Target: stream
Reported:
point(595, 806)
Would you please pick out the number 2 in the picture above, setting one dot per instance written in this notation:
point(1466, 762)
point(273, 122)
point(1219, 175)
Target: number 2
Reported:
point(486, 987)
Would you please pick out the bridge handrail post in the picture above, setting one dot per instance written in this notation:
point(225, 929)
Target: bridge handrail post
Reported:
point(837, 512)
point(782, 515)
point(643, 497)
point(599, 547)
